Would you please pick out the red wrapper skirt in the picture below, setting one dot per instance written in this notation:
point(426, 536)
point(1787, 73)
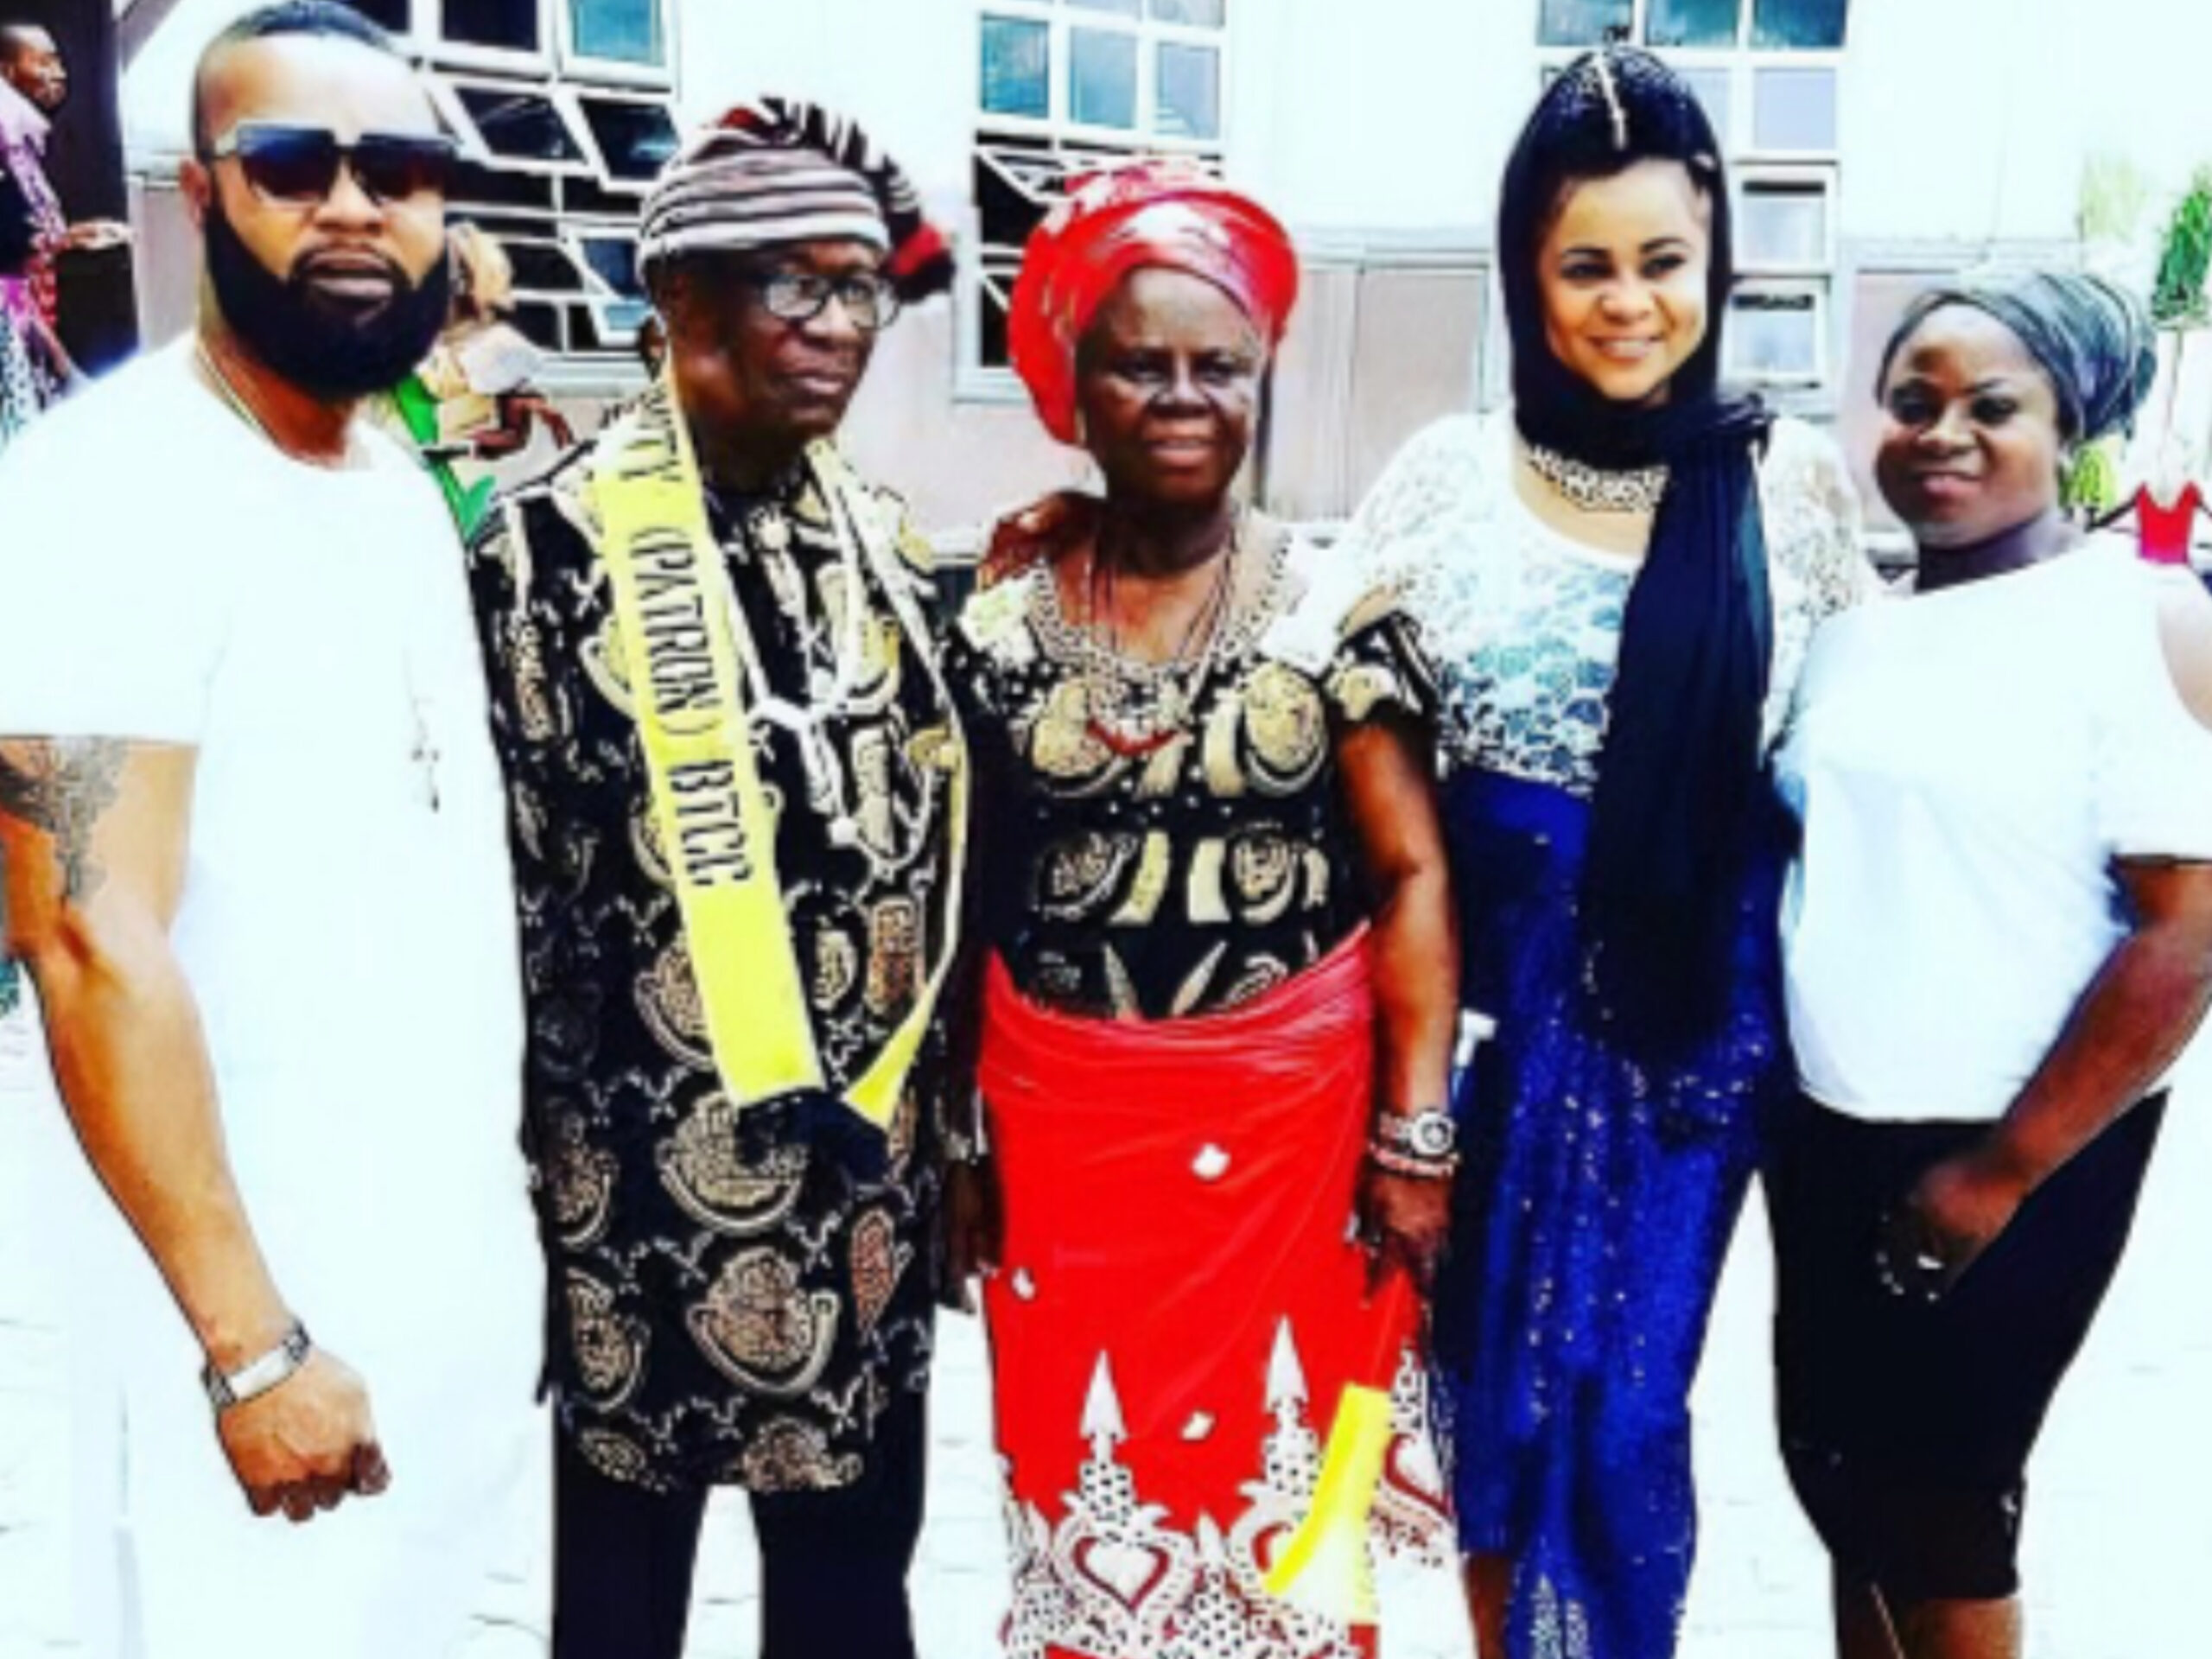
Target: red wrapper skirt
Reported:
point(1179, 1305)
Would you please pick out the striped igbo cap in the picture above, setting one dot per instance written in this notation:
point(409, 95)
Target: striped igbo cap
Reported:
point(781, 170)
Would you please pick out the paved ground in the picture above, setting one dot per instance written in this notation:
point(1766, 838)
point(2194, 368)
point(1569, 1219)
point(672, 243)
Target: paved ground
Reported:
point(2119, 1529)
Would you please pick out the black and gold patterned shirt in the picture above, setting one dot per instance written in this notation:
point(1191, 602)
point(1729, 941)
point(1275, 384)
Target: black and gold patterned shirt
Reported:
point(722, 1309)
point(1199, 875)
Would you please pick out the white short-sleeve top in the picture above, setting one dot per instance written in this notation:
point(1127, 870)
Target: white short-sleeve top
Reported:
point(347, 927)
point(1966, 765)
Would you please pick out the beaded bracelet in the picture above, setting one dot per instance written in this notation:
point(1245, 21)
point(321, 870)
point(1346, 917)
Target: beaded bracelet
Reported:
point(1392, 1161)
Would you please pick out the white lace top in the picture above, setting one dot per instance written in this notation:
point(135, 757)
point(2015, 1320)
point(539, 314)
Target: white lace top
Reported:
point(1523, 623)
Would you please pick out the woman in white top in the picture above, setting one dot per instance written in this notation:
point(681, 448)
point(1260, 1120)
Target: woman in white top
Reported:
point(1998, 938)
point(1617, 582)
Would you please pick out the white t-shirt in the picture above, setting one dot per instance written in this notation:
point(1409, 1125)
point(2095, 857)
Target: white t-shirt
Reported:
point(347, 927)
point(1966, 765)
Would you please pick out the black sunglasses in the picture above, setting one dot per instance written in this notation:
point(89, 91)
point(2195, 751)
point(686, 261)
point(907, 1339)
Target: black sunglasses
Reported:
point(299, 165)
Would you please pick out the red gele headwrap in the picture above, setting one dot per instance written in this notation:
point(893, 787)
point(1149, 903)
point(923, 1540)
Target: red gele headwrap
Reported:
point(1166, 215)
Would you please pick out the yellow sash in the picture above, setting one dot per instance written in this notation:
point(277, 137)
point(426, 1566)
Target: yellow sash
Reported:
point(682, 635)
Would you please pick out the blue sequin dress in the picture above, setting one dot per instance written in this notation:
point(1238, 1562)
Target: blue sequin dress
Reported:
point(1598, 1195)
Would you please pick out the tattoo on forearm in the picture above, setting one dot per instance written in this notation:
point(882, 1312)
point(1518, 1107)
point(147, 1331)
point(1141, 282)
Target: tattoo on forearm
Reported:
point(63, 787)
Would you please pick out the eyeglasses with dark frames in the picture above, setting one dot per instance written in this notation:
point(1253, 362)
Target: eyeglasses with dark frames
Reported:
point(802, 295)
point(297, 166)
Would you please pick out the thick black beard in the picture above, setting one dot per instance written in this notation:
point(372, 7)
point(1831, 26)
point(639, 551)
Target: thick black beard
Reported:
point(332, 355)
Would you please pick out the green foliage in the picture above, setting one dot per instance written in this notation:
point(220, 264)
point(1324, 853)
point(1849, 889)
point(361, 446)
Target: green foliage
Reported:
point(2090, 482)
point(2178, 300)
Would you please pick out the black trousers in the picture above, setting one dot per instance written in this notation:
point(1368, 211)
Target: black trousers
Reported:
point(833, 1565)
point(1906, 1427)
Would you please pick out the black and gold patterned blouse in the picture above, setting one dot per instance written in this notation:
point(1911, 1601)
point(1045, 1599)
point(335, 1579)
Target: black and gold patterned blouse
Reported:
point(723, 1311)
point(1195, 876)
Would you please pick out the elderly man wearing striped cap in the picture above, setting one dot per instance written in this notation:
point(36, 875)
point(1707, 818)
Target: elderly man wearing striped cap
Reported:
point(738, 798)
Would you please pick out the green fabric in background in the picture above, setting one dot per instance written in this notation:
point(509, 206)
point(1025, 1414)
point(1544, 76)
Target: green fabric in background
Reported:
point(467, 502)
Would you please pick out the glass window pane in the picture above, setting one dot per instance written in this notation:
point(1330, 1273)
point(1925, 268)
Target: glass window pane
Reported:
point(1711, 87)
point(622, 31)
point(1122, 7)
point(1784, 226)
point(542, 269)
point(541, 325)
point(1804, 25)
point(637, 139)
point(1794, 110)
point(386, 14)
point(1581, 22)
point(613, 260)
point(1103, 78)
point(1691, 22)
point(1017, 67)
point(1190, 92)
point(519, 126)
point(512, 25)
point(1198, 14)
point(1775, 336)
point(493, 187)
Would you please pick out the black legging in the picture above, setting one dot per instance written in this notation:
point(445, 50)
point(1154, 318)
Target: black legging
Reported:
point(833, 1565)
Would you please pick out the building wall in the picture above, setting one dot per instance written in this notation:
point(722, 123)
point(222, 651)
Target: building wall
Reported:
point(1378, 132)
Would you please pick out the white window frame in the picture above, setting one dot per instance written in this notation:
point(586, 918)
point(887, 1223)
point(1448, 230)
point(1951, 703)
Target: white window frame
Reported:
point(993, 270)
point(1744, 96)
point(445, 92)
point(1062, 20)
point(1640, 21)
point(574, 234)
point(1755, 178)
point(428, 38)
point(1822, 374)
point(564, 78)
point(613, 72)
point(566, 238)
point(1740, 62)
point(572, 97)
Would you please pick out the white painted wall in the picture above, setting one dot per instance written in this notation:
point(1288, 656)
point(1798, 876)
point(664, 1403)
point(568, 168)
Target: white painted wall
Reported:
point(157, 90)
point(1962, 119)
point(905, 69)
point(1390, 115)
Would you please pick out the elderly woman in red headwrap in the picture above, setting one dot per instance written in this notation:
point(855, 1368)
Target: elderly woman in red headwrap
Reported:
point(1220, 996)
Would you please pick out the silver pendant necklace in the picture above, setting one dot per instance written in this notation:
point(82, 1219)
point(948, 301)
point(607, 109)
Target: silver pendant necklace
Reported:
point(1595, 489)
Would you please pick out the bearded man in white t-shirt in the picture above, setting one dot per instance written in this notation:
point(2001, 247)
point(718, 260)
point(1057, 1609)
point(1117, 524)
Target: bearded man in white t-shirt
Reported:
point(255, 865)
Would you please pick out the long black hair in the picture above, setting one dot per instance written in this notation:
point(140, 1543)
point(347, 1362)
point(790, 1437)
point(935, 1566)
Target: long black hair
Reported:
point(1680, 783)
point(1606, 113)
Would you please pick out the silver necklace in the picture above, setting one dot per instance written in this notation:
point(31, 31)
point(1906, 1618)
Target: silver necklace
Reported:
point(1134, 704)
point(1595, 489)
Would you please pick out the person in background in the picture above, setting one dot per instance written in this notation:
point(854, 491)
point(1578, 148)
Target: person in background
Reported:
point(471, 399)
point(250, 826)
point(1617, 579)
point(737, 797)
point(1998, 937)
point(36, 233)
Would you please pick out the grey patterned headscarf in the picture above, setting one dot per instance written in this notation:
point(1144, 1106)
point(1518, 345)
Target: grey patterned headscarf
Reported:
point(2093, 341)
